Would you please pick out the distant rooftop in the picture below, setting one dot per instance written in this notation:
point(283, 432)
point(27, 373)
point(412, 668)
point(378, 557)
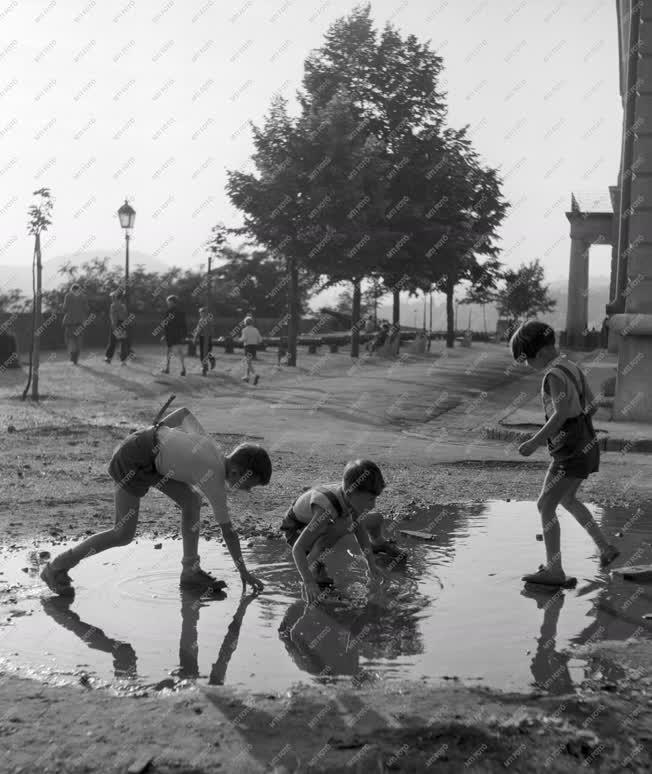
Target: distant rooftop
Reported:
point(591, 201)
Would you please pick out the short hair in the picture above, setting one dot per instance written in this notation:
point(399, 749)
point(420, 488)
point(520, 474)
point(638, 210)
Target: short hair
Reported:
point(248, 320)
point(117, 293)
point(531, 337)
point(203, 309)
point(172, 298)
point(363, 476)
point(75, 286)
point(252, 459)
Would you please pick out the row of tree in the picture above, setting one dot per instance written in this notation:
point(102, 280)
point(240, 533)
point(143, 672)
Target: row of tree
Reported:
point(367, 182)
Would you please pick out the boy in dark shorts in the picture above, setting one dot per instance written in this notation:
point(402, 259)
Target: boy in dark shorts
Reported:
point(324, 514)
point(568, 405)
point(174, 456)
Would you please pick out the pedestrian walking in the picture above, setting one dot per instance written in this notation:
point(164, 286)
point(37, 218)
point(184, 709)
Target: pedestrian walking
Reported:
point(75, 317)
point(250, 338)
point(176, 333)
point(118, 329)
point(202, 337)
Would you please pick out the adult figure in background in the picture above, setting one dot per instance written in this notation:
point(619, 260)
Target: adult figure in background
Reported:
point(176, 332)
point(118, 330)
point(75, 317)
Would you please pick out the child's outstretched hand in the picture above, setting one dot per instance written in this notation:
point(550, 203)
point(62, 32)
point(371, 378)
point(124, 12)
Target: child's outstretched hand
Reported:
point(251, 580)
point(526, 448)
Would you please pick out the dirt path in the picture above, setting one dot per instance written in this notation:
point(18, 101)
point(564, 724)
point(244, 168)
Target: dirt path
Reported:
point(420, 419)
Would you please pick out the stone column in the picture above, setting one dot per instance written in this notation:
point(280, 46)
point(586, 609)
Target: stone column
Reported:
point(577, 313)
point(633, 400)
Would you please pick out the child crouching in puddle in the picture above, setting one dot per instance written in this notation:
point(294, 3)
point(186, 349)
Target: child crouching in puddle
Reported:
point(323, 515)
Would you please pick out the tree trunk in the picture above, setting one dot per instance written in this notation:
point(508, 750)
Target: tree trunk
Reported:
point(355, 320)
point(396, 310)
point(450, 316)
point(293, 311)
point(36, 346)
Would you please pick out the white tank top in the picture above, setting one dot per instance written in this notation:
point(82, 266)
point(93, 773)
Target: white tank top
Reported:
point(575, 404)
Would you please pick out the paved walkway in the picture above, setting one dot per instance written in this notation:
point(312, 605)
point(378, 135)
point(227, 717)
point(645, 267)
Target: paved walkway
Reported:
point(471, 397)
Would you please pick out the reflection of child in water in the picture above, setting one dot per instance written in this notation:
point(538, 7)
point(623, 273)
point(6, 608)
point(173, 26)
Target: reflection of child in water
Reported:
point(549, 667)
point(331, 640)
point(124, 656)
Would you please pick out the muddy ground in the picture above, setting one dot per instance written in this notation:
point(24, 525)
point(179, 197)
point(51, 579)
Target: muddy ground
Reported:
point(53, 459)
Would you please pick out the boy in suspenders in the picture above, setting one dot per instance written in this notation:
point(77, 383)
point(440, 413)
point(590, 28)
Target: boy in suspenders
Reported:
point(322, 515)
point(572, 444)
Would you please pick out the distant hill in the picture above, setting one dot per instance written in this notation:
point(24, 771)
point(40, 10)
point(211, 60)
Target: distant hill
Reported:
point(20, 276)
point(598, 299)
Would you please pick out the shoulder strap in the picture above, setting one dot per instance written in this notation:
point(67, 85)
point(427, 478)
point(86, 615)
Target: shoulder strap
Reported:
point(580, 392)
point(331, 498)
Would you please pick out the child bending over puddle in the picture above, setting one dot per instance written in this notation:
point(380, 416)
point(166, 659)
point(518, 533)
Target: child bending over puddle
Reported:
point(568, 405)
point(322, 515)
point(174, 456)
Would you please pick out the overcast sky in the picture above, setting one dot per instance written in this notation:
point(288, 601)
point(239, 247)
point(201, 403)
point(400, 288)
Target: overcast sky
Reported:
point(151, 100)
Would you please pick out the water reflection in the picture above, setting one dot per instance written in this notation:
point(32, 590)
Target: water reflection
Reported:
point(334, 640)
point(549, 667)
point(124, 656)
point(456, 608)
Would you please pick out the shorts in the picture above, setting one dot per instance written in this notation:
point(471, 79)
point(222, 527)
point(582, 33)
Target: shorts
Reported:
point(580, 466)
point(291, 527)
point(133, 464)
point(250, 351)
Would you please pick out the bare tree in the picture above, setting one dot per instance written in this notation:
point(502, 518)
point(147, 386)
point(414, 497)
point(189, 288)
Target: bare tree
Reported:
point(39, 220)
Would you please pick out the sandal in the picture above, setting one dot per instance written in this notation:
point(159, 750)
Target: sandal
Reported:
point(203, 580)
point(58, 581)
point(543, 578)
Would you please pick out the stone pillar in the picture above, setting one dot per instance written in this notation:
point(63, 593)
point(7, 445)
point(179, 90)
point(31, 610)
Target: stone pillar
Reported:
point(633, 400)
point(577, 313)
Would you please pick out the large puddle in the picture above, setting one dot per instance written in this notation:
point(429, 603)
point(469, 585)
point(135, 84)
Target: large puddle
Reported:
point(458, 610)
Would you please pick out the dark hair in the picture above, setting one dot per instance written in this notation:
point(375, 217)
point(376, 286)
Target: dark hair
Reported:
point(530, 338)
point(363, 476)
point(253, 459)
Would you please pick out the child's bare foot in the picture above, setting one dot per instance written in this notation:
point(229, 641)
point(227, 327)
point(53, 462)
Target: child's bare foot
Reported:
point(198, 578)
point(58, 581)
point(608, 555)
point(545, 576)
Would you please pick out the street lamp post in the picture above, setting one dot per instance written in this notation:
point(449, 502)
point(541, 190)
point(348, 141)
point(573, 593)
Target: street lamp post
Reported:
point(127, 216)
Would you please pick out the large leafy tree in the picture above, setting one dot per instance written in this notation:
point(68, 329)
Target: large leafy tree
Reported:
point(272, 204)
point(524, 293)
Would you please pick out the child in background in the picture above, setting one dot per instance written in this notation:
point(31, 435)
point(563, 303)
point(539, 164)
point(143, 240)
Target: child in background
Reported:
point(176, 331)
point(177, 457)
point(572, 443)
point(251, 338)
point(202, 336)
point(324, 514)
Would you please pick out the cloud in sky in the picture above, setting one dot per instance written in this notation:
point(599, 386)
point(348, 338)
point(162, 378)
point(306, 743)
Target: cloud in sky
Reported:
point(152, 101)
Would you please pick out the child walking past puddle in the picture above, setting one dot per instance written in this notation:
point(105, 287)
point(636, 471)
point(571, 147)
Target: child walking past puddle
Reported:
point(321, 516)
point(568, 431)
point(177, 457)
point(250, 338)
